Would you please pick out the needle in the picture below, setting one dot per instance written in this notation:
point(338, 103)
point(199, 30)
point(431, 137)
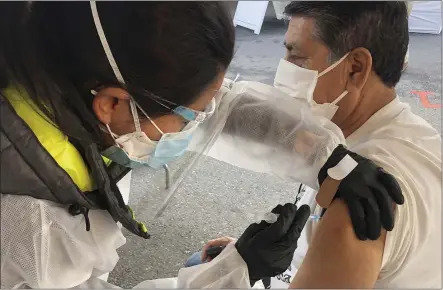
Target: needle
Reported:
point(314, 217)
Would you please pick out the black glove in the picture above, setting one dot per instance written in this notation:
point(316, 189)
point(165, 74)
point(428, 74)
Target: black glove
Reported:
point(268, 249)
point(369, 193)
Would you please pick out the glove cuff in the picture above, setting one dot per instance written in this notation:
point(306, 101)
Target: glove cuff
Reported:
point(252, 280)
point(336, 156)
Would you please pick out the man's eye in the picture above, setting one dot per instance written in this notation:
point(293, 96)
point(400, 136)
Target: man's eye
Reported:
point(297, 60)
point(298, 57)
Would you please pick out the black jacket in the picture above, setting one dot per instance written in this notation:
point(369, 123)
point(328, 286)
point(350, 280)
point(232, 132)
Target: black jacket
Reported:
point(28, 169)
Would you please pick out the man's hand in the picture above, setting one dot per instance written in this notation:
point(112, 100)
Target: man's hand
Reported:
point(268, 249)
point(220, 242)
point(369, 193)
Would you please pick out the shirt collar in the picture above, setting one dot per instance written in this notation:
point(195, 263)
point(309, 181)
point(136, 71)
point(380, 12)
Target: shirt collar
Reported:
point(380, 118)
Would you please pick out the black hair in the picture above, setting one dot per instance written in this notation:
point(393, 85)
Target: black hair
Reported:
point(381, 27)
point(173, 50)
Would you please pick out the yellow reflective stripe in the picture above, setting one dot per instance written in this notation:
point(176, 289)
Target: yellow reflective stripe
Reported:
point(131, 211)
point(107, 161)
point(141, 225)
point(52, 139)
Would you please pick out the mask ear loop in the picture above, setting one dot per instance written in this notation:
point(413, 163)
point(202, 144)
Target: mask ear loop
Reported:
point(340, 97)
point(118, 75)
point(114, 136)
point(333, 66)
point(135, 116)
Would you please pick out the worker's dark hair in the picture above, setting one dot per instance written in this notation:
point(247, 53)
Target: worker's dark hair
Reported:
point(380, 27)
point(171, 49)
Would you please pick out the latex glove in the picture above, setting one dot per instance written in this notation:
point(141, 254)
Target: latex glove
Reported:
point(369, 193)
point(268, 249)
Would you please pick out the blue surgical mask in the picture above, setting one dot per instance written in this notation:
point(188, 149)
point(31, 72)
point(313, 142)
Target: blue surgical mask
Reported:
point(136, 149)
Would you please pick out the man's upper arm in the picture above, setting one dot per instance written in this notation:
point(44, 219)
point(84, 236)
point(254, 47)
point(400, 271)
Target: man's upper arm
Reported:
point(336, 258)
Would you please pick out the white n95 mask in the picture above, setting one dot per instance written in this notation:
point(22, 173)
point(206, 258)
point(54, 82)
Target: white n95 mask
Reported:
point(300, 83)
point(136, 149)
point(327, 110)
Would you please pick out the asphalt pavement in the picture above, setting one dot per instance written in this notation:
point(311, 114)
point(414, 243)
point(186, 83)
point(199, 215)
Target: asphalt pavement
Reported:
point(218, 199)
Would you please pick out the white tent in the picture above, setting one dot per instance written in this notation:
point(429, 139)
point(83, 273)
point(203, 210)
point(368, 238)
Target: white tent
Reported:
point(425, 17)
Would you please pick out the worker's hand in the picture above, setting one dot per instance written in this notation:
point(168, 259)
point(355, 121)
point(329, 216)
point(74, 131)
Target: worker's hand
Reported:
point(368, 191)
point(268, 249)
point(220, 242)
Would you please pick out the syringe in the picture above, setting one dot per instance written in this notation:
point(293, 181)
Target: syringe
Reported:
point(271, 217)
point(315, 217)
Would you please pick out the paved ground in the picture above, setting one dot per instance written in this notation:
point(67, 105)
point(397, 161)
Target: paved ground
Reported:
point(219, 199)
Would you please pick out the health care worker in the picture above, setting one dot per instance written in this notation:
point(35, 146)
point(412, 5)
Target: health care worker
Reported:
point(63, 108)
point(74, 122)
point(344, 59)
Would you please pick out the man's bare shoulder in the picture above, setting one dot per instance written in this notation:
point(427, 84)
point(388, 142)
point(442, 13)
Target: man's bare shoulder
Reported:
point(336, 258)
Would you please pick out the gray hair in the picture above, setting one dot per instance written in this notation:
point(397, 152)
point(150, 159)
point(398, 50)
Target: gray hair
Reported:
point(380, 27)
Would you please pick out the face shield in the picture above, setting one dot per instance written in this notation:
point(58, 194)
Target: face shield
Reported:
point(268, 131)
point(175, 174)
point(255, 127)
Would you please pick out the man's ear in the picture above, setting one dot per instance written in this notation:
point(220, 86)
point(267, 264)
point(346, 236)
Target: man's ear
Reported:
point(360, 69)
point(105, 102)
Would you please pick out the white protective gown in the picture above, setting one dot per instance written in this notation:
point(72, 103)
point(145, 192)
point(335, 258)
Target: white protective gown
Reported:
point(46, 247)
